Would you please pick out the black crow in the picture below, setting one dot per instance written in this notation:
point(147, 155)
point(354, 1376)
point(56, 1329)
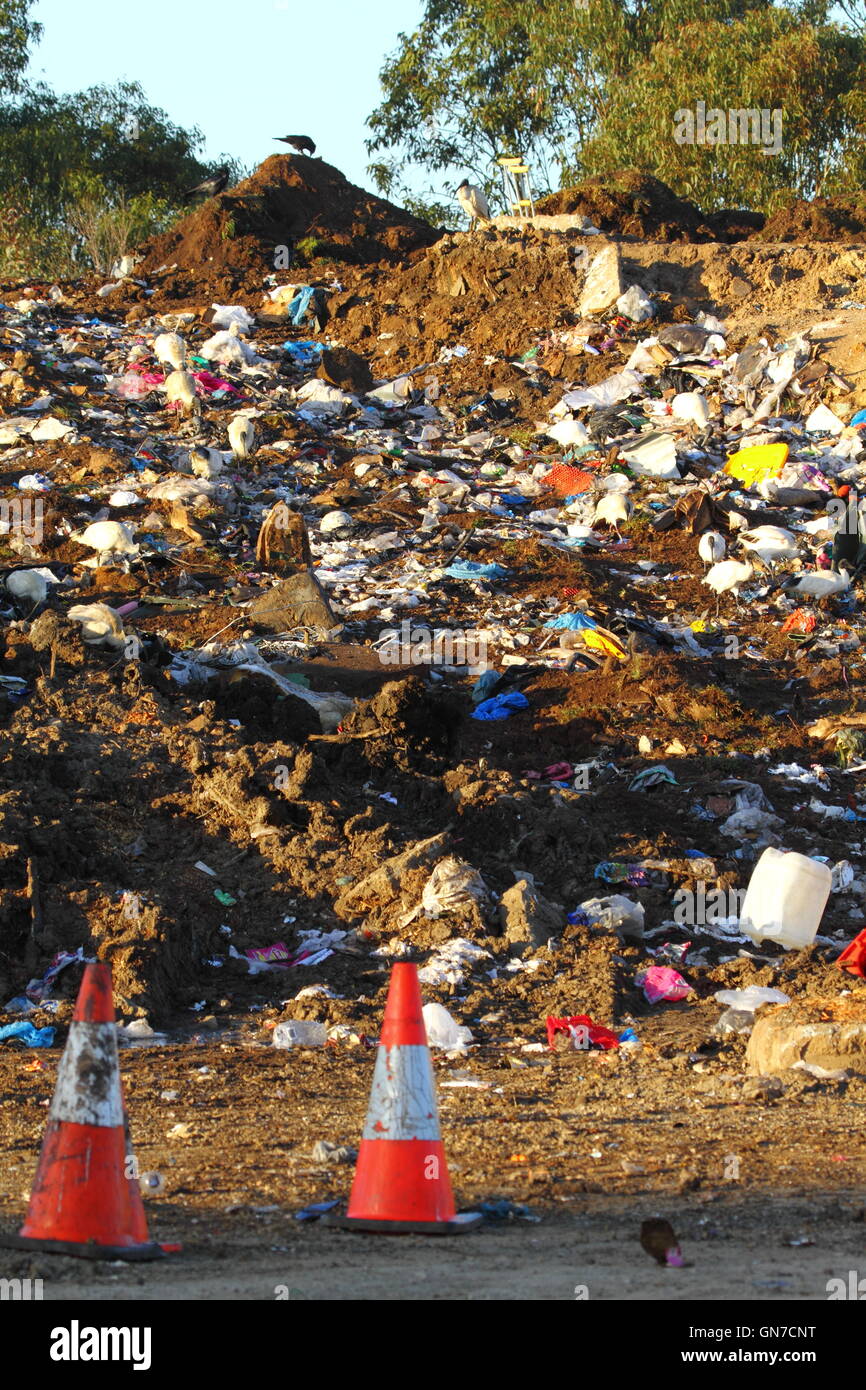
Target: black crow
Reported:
point(209, 187)
point(302, 143)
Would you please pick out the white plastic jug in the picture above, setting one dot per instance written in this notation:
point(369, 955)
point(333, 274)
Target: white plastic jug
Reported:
point(785, 899)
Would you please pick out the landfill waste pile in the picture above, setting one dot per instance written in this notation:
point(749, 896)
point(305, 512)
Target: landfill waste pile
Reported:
point(493, 602)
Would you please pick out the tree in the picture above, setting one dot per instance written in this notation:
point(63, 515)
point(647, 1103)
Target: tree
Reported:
point(803, 77)
point(17, 33)
point(593, 85)
point(101, 159)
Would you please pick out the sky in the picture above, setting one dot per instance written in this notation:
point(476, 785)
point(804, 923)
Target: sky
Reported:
point(241, 70)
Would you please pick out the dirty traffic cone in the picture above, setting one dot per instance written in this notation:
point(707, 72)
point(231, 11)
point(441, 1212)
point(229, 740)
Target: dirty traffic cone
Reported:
point(401, 1179)
point(83, 1203)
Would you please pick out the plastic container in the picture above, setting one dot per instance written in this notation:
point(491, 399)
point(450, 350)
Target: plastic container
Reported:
point(785, 899)
point(300, 1032)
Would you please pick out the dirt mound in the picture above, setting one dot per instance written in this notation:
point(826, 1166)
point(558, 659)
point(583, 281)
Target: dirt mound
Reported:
point(493, 290)
point(289, 198)
point(822, 219)
point(632, 204)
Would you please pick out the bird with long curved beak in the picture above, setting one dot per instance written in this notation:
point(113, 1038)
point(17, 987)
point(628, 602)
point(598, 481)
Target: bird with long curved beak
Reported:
point(473, 202)
point(179, 388)
point(819, 584)
point(170, 348)
point(711, 547)
point(770, 543)
point(613, 508)
point(728, 577)
point(242, 434)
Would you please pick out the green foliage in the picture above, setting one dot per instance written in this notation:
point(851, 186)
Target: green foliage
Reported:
point(308, 248)
point(592, 86)
point(89, 171)
point(17, 32)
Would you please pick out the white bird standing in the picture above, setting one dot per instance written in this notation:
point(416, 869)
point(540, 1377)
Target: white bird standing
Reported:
point(614, 508)
point(206, 463)
point(727, 577)
point(107, 538)
point(473, 202)
point(770, 543)
point(711, 547)
point(179, 388)
point(170, 348)
point(241, 436)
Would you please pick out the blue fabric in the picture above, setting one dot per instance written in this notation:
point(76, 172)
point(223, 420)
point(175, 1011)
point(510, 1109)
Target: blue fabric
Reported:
point(501, 706)
point(300, 304)
point(470, 569)
point(575, 622)
point(30, 1036)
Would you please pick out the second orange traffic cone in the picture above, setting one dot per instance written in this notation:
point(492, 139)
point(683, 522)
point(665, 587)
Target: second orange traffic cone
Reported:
point(83, 1202)
point(401, 1179)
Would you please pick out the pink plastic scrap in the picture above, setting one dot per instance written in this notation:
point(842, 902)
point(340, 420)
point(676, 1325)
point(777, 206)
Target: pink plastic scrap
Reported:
point(662, 982)
point(210, 383)
point(278, 952)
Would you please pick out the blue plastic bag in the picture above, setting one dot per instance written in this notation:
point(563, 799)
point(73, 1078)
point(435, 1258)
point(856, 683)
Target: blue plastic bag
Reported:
point(30, 1036)
point(501, 706)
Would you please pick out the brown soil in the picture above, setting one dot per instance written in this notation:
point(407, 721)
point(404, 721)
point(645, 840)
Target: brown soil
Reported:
point(288, 198)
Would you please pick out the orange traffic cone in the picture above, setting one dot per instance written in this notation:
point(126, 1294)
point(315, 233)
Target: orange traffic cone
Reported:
point(401, 1179)
point(83, 1201)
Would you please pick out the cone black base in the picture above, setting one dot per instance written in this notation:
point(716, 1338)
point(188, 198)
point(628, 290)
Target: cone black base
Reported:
point(87, 1251)
point(465, 1221)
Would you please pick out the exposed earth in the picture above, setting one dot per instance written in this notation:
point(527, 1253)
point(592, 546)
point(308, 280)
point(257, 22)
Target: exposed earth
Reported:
point(118, 781)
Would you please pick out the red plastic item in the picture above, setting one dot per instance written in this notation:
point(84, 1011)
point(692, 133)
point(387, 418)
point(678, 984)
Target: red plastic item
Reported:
point(853, 958)
point(598, 1036)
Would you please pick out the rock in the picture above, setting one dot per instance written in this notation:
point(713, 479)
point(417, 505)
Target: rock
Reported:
point(779, 1043)
point(528, 920)
point(762, 1089)
point(296, 602)
point(386, 883)
point(603, 284)
point(346, 369)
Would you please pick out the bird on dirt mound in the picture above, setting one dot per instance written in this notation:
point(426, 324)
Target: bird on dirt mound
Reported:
point(209, 187)
point(302, 143)
point(658, 1239)
point(473, 202)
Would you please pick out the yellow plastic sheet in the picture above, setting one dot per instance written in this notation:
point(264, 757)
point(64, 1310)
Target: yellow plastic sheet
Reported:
point(753, 465)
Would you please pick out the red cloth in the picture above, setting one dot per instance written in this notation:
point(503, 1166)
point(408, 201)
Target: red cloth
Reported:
point(598, 1036)
point(853, 958)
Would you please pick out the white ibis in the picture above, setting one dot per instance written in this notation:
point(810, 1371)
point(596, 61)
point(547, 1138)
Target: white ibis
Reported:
point(206, 463)
point(711, 547)
point(170, 348)
point(819, 584)
point(473, 202)
point(241, 435)
point(107, 538)
point(179, 388)
point(614, 508)
point(770, 543)
point(727, 577)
